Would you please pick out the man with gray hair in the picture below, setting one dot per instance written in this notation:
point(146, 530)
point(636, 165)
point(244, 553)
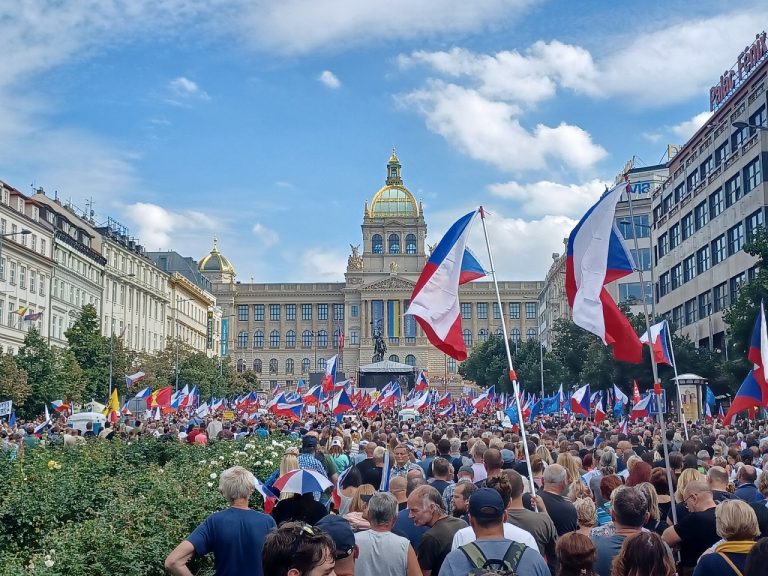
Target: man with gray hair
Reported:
point(235, 536)
point(629, 513)
point(425, 508)
point(382, 553)
point(559, 508)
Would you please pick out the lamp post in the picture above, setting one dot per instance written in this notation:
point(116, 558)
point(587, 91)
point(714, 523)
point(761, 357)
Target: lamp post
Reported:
point(653, 280)
point(10, 235)
point(112, 327)
point(176, 334)
point(742, 125)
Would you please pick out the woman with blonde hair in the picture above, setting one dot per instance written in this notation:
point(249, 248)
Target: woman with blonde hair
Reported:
point(288, 463)
point(688, 475)
point(571, 467)
point(737, 526)
point(654, 523)
point(545, 455)
point(358, 508)
point(586, 515)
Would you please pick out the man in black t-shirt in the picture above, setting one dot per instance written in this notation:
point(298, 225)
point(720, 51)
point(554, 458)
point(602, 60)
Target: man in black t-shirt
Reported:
point(697, 531)
point(441, 474)
point(561, 510)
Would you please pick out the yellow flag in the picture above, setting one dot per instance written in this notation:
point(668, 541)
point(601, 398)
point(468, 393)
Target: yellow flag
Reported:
point(22, 310)
point(114, 404)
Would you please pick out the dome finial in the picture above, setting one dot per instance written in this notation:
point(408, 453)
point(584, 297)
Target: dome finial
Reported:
point(215, 243)
point(393, 159)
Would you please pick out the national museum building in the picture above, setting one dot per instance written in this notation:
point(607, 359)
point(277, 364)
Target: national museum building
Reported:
point(287, 331)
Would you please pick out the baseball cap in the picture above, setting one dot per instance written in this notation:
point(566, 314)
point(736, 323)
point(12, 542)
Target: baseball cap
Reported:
point(468, 470)
point(486, 504)
point(336, 442)
point(507, 455)
point(309, 442)
point(747, 453)
point(702, 455)
point(340, 532)
point(363, 443)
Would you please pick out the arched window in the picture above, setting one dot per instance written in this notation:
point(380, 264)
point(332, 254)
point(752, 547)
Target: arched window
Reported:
point(410, 360)
point(289, 366)
point(467, 334)
point(514, 335)
point(377, 244)
point(394, 244)
point(290, 339)
point(336, 336)
point(305, 364)
point(322, 339)
point(410, 244)
point(242, 339)
point(531, 333)
point(306, 339)
point(394, 358)
point(273, 366)
point(482, 335)
point(274, 339)
point(321, 364)
point(451, 366)
point(241, 362)
point(257, 366)
point(258, 339)
point(499, 332)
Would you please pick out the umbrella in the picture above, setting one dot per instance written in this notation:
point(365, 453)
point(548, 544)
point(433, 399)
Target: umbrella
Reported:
point(302, 481)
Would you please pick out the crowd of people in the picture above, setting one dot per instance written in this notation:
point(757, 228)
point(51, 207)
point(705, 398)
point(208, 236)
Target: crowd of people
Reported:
point(452, 496)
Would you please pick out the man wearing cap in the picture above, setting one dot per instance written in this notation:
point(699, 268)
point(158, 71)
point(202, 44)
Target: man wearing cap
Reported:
point(487, 515)
point(344, 537)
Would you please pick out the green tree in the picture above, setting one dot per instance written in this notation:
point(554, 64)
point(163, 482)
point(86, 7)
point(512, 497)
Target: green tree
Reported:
point(36, 359)
point(13, 381)
point(69, 375)
point(91, 350)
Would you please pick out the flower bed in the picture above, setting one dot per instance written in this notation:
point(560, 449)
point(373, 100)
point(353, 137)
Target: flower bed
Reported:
point(116, 508)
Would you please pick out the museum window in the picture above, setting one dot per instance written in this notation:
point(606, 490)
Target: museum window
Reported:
point(289, 366)
point(530, 310)
point(306, 311)
point(274, 339)
point(377, 244)
point(306, 339)
point(466, 310)
point(451, 363)
point(242, 313)
point(410, 244)
point(338, 311)
point(354, 337)
point(394, 244)
point(274, 312)
point(322, 311)
point(410, 360)
point(354, 310)
point(273, 365)
point(321, 364)
point(467, 334)
point(257, 366)
point(322, 339)
point(499, 332)
point(394, 358)
point(258, 312)
point(496, 311)
point(241, 365)
point(514, 310)
point(482, 310)
point(337, 337)
point(514, 335)
point(242, 339)
point(290, 311)
point(305, 364)
point(482, 335)
point(531, 333)
point(290, 339)
point(258, 339)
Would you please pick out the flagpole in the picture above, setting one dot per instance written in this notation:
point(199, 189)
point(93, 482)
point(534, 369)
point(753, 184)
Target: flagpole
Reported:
point(654, 366)
point(512, 374)
point(677, 383)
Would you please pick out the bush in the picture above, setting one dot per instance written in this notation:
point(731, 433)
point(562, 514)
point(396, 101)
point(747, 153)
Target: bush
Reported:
point(116, 508)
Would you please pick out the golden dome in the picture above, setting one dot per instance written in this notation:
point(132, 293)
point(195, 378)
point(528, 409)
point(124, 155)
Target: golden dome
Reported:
point(394, 199)
point(215, 261)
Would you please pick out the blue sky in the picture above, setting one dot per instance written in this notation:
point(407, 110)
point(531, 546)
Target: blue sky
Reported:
point(269, 123)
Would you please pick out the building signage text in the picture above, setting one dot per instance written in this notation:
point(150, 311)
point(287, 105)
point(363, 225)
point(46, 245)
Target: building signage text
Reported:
point(731, 79)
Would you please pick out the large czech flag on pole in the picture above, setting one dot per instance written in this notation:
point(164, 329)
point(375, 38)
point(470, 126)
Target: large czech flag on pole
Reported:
point(748, 397)
point(580, 401)
point(758, 353)
point(435, 298)
point(658, 341)
point(596, 255)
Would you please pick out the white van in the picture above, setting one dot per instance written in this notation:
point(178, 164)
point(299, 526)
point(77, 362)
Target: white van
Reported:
point(79, 420)
point(409, 415)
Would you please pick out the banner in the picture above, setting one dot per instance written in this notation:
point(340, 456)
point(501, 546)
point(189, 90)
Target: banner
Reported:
point(224, 337)
point(6, 408)
point(209, 331)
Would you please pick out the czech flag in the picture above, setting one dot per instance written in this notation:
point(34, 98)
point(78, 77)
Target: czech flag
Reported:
point(599, 412)
point(435, 298)
point(270, 498)
point(421, 382)
point(658, 341)
point(61, 406)
point(708, 413)
point(444, 400)
point(422, 402)
point(373, 410)
point(329, 379)
point(292, 411)
point(748, 397)
point(448, 411)
point(144, 394)
point(640, 410)
point(133, 378)
point(635, 392)
point(624, 428)
point(342, 403)
point(596, 256)
point(313, 396)
point(758, 353)
point(580, 401)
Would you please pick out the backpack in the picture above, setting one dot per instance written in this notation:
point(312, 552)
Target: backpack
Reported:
point(483, 566)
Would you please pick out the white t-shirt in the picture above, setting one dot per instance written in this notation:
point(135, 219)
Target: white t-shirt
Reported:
point(511, 532)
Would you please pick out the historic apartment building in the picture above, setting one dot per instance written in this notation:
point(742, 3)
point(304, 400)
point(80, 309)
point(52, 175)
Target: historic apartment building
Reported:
point(713, 200)
point(285, 331)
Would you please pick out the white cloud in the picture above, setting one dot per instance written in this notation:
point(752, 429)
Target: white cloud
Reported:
point(186, 89)
point(686, 129)
point(329, 79)
point(304, 26)
point(544, 197)
point(319, 264)
point(160, 229)
point(267, 236)
point(489, 130)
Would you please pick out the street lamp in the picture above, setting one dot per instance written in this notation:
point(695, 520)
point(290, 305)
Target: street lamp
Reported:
point(653, 280)
point(742, 125)
point(112, 327)
point(9, 235)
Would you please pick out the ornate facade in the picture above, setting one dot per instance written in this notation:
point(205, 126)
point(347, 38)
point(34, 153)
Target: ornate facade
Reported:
point(285, 331)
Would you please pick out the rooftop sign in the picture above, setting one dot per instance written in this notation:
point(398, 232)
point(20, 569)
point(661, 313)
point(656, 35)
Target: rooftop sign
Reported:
point(731, 79)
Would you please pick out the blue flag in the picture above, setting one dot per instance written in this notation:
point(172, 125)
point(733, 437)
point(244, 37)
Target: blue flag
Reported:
point(535, 410)
point(710, 396)
point(12, 419)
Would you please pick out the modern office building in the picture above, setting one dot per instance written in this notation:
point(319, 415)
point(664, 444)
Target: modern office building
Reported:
point(713, 200)
point(26, 267)
point(285, 331)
